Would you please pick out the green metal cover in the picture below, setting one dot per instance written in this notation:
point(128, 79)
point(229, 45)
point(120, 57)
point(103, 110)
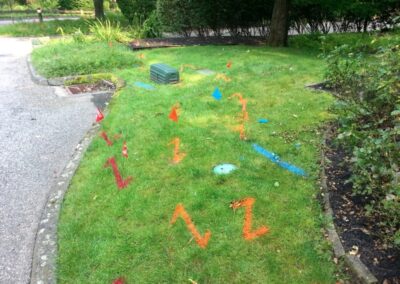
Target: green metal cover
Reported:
point(163, 74)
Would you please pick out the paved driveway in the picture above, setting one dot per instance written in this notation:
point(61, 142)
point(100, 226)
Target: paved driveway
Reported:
point(38, 133)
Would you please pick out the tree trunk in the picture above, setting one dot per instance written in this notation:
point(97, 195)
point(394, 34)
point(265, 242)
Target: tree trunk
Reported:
point(279, 24)
point(98, 9)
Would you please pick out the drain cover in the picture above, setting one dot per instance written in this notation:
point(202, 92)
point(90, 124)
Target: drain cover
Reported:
point(224, 169)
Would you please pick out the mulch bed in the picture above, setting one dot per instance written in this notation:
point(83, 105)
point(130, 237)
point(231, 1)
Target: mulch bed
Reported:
point(100, 86)
point(191, 41)
point(359, 233)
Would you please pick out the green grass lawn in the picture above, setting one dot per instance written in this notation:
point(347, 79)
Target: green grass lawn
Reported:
point(105, 233)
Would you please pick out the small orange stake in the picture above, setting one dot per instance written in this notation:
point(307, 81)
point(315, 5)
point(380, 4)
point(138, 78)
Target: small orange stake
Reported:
point(125, 150)
point(229, 64)
point(247, 233)
point(181, 212)
point(174, 114)
point(178, 157)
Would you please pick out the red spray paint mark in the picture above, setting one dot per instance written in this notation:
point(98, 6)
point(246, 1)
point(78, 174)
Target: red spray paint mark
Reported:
point(119, 280)
point(118, 179)
point(229, 64)
point(178, 157)
point(105, 137)
point(202, 241)
point(99, 116)
point(247, 233)
point(125, 150)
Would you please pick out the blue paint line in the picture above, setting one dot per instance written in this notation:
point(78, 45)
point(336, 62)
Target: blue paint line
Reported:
point(275, 159)
point(144, 86)
point(217, 94)
point(263, 120)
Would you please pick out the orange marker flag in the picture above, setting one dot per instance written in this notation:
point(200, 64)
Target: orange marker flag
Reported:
point(229, 64)
point(181, 212)
point(247, 233)
point(174, 114)
point(99, 116)
point(125, 150)
point(178, 157)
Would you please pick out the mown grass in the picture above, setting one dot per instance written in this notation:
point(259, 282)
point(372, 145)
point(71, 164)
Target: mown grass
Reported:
point(58, 27)
point(105, 233)
point(66, 57)
point(44, 29)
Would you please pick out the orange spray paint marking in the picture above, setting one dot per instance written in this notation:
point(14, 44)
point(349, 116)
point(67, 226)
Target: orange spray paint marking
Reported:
point(141, 56)
point(245, 116)
point(242, 132)
point(174, 114)
point(181, 212)
point(118, 179)
point(229, 64)
point(105, 137)
point(110, 45)
point(241, 100)
point(178, 157)
point(247, 233)
point(99, 116)
point(223, 77)
point(125, 150)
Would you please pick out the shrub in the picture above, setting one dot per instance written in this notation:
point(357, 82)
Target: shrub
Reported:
point(369, 119)
point(75, 4)
point(136, 11)
point(107, 31)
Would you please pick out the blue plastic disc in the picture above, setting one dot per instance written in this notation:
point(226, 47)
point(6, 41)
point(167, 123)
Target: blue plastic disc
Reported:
point(224, 169)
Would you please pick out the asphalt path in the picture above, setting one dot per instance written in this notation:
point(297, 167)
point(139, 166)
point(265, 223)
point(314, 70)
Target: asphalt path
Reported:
point(39, 131)
point(4, 22)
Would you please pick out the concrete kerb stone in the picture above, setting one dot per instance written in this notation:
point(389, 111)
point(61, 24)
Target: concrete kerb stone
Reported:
point(358, 269)
point(45, 247)
point(45, 250)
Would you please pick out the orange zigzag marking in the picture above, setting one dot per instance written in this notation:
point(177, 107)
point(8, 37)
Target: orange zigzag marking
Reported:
point(247, 233)
point(178, 157)
point(181, 212)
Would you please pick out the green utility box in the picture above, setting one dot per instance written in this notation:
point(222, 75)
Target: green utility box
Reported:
point(163, 74)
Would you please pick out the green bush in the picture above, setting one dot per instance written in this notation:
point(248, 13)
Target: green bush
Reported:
point(107, 31)
point(369, 119)
point(75, 4)
point(136, 11)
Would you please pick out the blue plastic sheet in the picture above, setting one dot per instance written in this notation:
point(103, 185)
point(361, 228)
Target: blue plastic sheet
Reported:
point(144, 86)
point(276, 159)
point(263, 120)
point(217, 94)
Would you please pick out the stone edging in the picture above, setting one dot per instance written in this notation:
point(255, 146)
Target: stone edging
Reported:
point(357, 267)
point(44, 259)
point(45, 250)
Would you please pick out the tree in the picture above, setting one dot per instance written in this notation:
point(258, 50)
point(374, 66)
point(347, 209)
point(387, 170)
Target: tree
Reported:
point(98, 9)
point(279, 24)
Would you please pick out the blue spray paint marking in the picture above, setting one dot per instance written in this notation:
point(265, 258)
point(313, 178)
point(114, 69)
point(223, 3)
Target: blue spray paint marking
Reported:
point(144, 86)
point(217, 94)
point(275, 159)
point(263, 120)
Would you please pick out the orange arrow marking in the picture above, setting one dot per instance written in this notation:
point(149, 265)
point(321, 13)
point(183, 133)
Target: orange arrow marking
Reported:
point(178, 157)
point(181, 212)
point(247, 233)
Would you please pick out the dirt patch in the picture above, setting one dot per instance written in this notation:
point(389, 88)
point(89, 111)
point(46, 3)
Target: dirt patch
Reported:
point(190, 41)
point(101, 86)
point(358, 232)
